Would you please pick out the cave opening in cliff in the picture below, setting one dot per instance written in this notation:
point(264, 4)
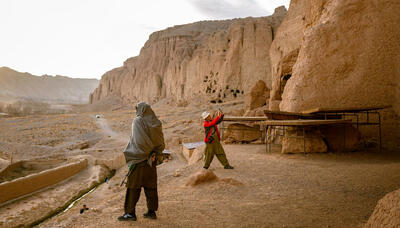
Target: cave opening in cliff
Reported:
point(283, 82)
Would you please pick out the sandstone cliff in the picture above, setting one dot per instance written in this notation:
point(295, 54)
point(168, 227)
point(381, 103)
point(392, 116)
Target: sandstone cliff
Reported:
point(336, 54)
point(285, 49)
point(16, 85)
point(213, 60)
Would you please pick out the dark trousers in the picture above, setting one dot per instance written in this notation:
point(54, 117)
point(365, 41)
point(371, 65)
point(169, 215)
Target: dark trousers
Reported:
point(133, 195)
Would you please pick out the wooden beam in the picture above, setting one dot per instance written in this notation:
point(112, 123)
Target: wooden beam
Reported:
point(303, 122)
point(244, 118)
point(343, 110)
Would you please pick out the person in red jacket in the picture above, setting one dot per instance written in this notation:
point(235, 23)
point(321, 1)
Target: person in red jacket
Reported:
point(212, 140)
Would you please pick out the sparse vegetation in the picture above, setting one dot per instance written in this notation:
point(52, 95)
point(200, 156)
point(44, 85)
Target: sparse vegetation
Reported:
point(24, 108)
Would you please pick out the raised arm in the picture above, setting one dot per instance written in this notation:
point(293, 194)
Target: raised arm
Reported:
point(215, 121)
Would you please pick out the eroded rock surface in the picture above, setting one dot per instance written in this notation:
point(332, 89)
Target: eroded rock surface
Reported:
point(335, 137)
point(295, 142)
point(285, 48)
point(216, 60)
point(387, 212)
point(241, 133)
point(348, 55)
point(258, 96)
point(197, 155)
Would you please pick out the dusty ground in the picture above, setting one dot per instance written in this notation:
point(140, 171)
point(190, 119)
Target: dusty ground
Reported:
point(267, 190)
point(46, 135)
point(51, 140)
point(71, 131)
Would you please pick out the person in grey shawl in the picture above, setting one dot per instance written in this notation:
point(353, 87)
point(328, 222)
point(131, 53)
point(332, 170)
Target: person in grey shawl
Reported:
point(142, 154)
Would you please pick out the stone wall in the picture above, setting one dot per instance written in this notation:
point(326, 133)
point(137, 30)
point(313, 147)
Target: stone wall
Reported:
point(25, 185)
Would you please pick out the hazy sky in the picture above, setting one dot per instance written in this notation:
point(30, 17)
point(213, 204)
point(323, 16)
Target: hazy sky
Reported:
point(86, 38)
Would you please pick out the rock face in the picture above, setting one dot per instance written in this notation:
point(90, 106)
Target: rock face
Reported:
point(257, 97)
point(241, 133)
point(313, 143)
point(334, 138)
point(256, 112)
point(16, 85)
point(197, 155)
point(320, 140)
point(285, 48)
point(214, 60)
point(338, 54)
point(387, 212)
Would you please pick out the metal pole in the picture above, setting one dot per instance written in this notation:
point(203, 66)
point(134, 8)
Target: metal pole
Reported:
point(266, 138)
point(304, 139)
point(357, 120)
point(271, 138)
point(262, 133)
point(344, 137)
point(380, 132)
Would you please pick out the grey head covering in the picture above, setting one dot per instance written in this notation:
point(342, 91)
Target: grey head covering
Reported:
point(147, 136)
point(144, 110)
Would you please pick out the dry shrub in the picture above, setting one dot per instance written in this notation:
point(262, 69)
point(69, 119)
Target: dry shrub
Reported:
point(28, 107)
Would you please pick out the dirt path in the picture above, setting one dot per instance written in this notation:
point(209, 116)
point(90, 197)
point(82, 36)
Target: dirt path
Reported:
point(103, 125)
point(40, 204)
point(264, 190)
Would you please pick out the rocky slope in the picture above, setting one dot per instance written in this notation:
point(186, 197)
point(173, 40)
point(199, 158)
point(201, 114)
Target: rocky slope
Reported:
point(336, 54)
point(16, 85)
point(214, 60)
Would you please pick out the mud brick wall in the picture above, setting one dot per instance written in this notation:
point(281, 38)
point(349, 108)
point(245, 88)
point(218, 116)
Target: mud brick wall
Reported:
point(13, 189)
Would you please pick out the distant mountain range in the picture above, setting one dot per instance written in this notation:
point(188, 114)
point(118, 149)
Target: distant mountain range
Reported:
point(15, 85)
